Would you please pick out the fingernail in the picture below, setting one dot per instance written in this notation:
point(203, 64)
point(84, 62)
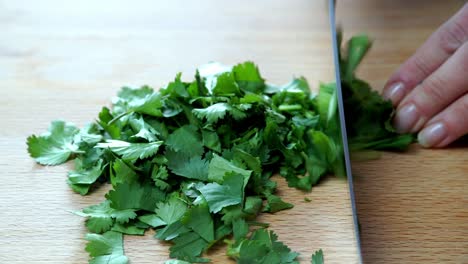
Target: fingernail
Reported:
point(432, 135)
point(406, 118)
point(395, 92)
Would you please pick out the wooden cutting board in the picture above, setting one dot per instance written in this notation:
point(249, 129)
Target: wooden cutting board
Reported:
point(64, 61)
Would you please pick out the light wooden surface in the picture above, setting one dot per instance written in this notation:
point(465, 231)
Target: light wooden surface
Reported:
point(65, 61)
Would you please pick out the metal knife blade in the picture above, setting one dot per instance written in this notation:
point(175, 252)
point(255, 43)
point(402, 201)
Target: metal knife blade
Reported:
point(341, 112)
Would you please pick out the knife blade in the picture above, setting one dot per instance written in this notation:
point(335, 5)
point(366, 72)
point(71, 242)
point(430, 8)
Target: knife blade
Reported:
point(341, 112)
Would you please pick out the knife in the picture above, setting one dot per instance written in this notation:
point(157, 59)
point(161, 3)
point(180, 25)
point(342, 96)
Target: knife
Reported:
point(341, 112)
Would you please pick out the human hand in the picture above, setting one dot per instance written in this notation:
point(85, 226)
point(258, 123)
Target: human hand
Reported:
point(430, 89)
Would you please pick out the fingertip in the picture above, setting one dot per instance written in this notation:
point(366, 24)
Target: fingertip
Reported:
point(394, 92)
point(408, 119)
point(434, 135)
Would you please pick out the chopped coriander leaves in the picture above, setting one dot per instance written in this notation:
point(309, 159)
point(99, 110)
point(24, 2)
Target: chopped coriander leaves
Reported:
point(194, 160)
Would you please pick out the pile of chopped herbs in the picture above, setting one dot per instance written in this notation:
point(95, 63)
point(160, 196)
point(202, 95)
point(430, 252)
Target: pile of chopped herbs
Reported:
point(194, 160)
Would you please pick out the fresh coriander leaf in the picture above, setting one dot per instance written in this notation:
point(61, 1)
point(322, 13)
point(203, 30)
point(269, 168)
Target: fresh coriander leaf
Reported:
point(172, 231)
point(134, 196)
point(240, 229)
point(252, 162)
point(127, 94)
point(143, 130)
point(275, 204)
point(160, 176)
point(212, 113)
point(317, 257)
point(248, 77)
point(187, 111)
point(121, 173)
point(131, 151)
point(270, 239)
point(251, 98)
point(252, 205)
point(187, 140)
point(249, 252)
point(230, 192)
point(176, 88)
point(189, 167)
point(55, 146)
point(128, 229)
point(82, 189)
point(221, 232)
point(262, 247)
point(99, 224)
point(323, 149)
point(219, 166)
point(89, 134)
point(226, 85)
point(357, 49)
point(123, 216)
point(172, 210)
point(172, 108)
point(151, 105)
point(84, 177)
point(160, 128)
point(301, 182)
point(209, 73)
point(232, 213)
point(100, 217)
point(238, 112)
point(139, 224)
point(104, 121)
point(152, 220)
point(211, 140)
point(197, 88)
point(187, 246)
point(326, 109)
point(106, 248)
point(198, 218)
point(142, 100)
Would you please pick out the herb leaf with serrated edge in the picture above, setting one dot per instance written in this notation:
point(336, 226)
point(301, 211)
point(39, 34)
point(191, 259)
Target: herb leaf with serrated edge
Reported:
point(106, 248)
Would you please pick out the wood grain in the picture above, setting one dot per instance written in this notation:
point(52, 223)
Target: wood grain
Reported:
point(64, 61)
point(67, 60)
